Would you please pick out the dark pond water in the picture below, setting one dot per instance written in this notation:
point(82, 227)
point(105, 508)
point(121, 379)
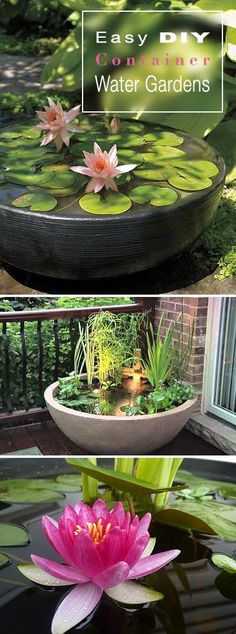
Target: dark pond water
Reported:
point(194, 601)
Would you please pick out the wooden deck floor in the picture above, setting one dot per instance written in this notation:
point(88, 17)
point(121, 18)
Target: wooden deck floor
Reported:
point(51, 441)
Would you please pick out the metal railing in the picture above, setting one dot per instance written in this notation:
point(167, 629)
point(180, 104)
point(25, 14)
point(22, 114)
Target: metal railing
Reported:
point(15, 360)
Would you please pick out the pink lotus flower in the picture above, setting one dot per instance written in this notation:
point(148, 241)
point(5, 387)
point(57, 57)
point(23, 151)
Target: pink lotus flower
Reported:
point(102, 167)
point(57, 123)
point(102, 550)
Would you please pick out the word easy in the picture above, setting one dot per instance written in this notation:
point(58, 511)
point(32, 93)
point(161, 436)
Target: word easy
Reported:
point(166, 37)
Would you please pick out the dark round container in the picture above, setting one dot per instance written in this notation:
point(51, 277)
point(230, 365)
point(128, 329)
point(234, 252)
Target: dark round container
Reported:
point(74, 244)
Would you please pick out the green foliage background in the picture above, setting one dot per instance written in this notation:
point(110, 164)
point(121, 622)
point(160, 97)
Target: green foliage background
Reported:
point(66, 338)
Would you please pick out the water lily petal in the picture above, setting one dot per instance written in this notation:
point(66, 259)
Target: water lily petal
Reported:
point(112, 576)
point(65, 136)
point(86, 555)
point(37, 575)
point(59, 571)
point(78, 604)
point(50, 528)
point(118, 514)
point(99, 184)
point(125, 168)
point(113, 548)
point(81, 170)
point(144, 524)
point(147, 565)
point(149, 548)
point(71, 114)
point(101, 510)
point(135, 551)
point(132, 593)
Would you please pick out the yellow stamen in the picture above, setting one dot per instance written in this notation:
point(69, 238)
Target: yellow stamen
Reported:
point(97, 531)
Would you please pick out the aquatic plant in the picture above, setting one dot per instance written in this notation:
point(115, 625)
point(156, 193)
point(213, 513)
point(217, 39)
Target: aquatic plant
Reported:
point(102, 167)
point(56, 122)
point(103, 551)
point(167, 355)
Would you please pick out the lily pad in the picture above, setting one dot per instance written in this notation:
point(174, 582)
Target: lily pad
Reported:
point(71, 481)
point(36, 202)
point(22, 177)
point(64, 179)
point(195, 168)
point(189, 183)
point(31, 133)
point(64, 167)
point(154, 174)
point(3, 560)
point(164, 138)
point(21, 495)
point(125, 140)
point(129, 156)
point(113, 203)
point(156, 153)
point(13, 535)
point(158, 196)
point(27, 153)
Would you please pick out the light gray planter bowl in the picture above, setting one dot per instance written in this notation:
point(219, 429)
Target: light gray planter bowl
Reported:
point(118, 435)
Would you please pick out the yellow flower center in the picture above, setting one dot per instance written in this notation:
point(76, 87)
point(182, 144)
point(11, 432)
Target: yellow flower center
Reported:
point(101, 163)
point(96, 531)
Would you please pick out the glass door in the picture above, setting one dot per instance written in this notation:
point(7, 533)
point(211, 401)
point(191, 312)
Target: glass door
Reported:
point(219, 394)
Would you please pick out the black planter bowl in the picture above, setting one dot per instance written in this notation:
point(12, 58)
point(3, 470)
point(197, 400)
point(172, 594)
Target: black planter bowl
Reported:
point(73, 244)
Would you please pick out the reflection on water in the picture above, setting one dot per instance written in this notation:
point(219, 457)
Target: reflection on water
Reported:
point(192, 603)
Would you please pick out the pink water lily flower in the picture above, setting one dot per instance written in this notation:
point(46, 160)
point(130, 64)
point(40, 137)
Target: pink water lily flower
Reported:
point(56, 122)
point(102, 167)
point(103, 551)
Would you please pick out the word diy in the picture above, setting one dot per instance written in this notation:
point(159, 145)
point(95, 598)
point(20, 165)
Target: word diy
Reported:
point(165, 37)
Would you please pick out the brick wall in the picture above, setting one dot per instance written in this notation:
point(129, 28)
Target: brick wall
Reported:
point(194, 310)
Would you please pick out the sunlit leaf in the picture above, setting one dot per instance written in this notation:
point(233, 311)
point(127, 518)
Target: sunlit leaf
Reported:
point(36, 202)
point(188, 183)
point(113, 203)
point(22, 177)
point(116, 479)
point(200, 516)
point(158, 196)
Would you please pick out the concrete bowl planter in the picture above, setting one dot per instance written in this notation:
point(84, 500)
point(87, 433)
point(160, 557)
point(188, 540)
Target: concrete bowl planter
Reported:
point(105, 242)
point(118, 434)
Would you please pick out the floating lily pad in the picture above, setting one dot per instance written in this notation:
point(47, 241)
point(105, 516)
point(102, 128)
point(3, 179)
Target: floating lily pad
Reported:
point(52, 157)
point(21, 177)
point(71, 481)
point(113, 203)
point(19, 495)
point(158, 196)
point(129, 156)
point(3, 560)
point(36, 202)
point(189, 183)
point(195, 168)
point(64, 167)
point(31, 133)
point(164, 138)
point(125, 140)
point(61, 191)
point(7, 133)
point(64, 179)
point(157, 152)
point(154, 174)
point(13, 535)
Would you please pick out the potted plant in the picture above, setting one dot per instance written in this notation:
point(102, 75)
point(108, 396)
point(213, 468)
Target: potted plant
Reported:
point(107, 406)
point(129, 195)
